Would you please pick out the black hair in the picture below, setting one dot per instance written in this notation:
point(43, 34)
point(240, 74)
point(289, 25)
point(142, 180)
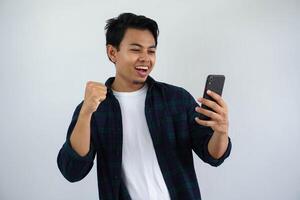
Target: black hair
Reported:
point(116, 27)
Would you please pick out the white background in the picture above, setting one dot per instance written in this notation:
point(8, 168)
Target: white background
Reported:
point(50, 49)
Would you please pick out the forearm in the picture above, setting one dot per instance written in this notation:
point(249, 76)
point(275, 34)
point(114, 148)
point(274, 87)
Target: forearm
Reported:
point(80, 137)
point(217, 145)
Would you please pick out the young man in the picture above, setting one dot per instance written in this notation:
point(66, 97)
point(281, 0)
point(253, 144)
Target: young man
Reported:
point(143, 131)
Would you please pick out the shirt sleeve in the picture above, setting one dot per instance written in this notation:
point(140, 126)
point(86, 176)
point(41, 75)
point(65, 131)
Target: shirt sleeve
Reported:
point(73, 166)
point(200, 136)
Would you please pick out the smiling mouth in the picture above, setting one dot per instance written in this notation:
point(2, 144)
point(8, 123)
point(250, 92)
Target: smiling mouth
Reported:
point(142, 70)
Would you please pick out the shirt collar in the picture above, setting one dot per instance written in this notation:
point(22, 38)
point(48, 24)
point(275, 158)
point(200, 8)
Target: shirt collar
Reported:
point(150, 82)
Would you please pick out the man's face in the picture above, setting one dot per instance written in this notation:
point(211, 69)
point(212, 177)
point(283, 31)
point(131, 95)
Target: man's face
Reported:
point(136, 57)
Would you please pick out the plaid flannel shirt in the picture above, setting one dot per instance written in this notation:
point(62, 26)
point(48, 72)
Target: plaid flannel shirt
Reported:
point(170, 113)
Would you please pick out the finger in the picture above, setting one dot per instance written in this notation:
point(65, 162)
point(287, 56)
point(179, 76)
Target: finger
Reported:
point(94, 83)
point(211, 104)
point(208, 113)
point(100, 99)
point(97, 90)
point(97, 100)
point(90, 83)
point(98, 87)
point(217, 97)
point(204, 122)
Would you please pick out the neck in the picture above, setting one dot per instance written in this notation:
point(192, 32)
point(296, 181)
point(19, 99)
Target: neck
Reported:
point(121, 85)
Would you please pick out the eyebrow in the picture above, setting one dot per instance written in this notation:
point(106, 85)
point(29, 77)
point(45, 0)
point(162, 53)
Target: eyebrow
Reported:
point(136, 44)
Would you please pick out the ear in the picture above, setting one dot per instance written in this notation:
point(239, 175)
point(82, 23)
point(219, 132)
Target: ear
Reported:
point(111, 53)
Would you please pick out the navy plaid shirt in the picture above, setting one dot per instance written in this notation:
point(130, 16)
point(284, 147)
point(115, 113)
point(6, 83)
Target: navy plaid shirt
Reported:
point(170, 113)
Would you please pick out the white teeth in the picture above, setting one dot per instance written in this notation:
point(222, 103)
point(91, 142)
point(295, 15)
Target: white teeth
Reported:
point(142, 67)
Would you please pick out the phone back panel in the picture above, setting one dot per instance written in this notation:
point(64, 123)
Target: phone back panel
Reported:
point(214, 83)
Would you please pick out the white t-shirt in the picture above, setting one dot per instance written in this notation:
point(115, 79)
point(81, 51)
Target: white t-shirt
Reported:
point(140, 170)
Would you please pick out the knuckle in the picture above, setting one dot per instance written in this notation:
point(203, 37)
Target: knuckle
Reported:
point(215, 106)
point(89, 83)
point(100, 84)
point(94, 90)
point(96, 101)
point(95, 97)
point(225, 113)
point(209, 114)
point(221, 119)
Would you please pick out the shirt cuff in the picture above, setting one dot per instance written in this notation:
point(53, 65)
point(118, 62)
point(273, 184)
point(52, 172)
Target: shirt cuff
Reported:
point(74, 155)
point(216, 162)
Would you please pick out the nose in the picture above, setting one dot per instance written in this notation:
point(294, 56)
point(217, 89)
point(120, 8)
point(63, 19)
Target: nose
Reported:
point(144, 56)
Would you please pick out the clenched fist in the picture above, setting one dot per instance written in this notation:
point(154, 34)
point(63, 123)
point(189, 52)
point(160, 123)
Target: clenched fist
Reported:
point(95, 93)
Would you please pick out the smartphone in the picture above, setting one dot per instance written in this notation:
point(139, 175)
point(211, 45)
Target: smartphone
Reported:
point(213, 83)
